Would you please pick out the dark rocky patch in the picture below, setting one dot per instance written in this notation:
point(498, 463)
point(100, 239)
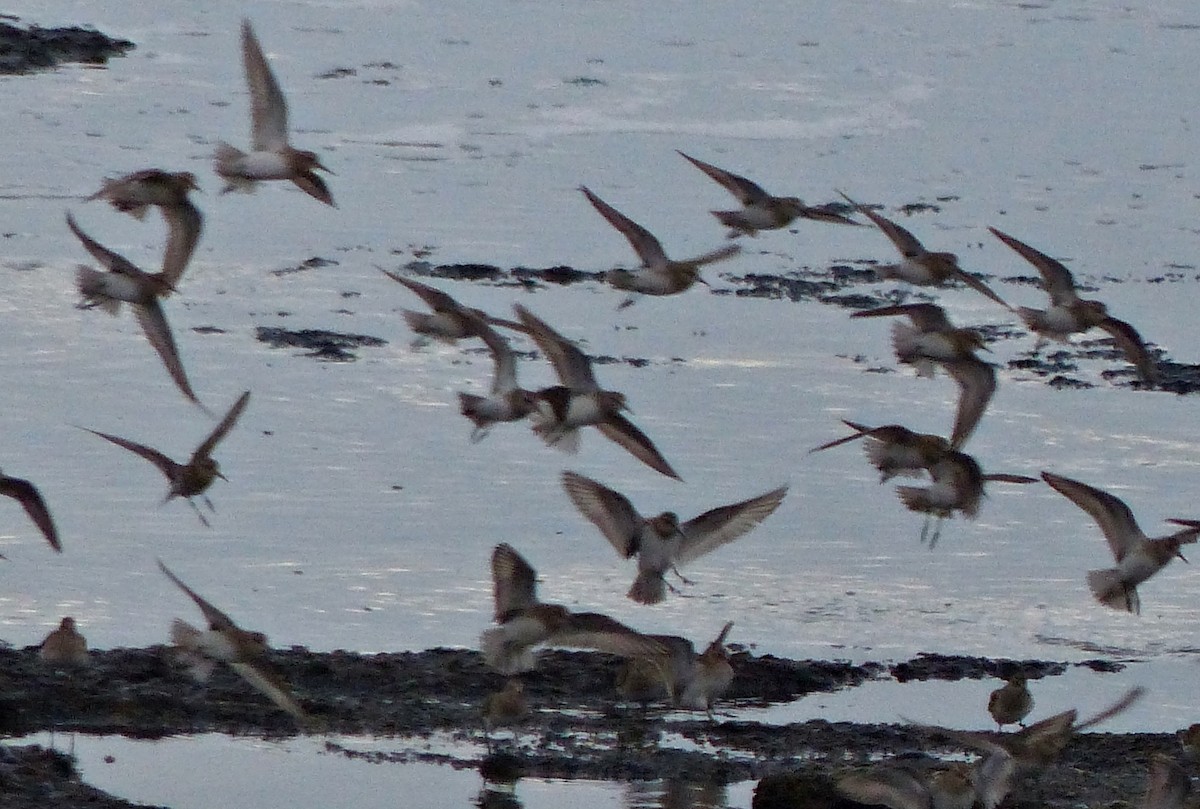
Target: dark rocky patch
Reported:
point(323, 345)
point(304, 266)
point(24, 50)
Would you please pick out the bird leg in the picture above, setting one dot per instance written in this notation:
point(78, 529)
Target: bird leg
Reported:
point(199, 513)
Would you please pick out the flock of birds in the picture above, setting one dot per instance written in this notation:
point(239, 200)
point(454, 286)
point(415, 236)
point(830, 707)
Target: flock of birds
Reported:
point(658, 665)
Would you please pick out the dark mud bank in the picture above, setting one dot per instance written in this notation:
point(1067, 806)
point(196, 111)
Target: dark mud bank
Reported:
point(24, 50)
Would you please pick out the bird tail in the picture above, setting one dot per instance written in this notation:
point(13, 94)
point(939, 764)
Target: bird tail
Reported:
point(187, 640)
point(225, 160)
point(503, 656)
point(91, 285)
point(648, 588)
point(1111, 591)
point(906, 344)
point(552, 431)
point(916, 498)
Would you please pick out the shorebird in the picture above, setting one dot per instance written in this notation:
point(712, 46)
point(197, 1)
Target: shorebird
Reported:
point(920, 266)
point(64, 646)
point(1189, 741)
point(506, 707)
point(930, 341)
point(663, 543)
point(688, 680)
point(1011, 702)
point(124, 282)
point(193, 478)
point(271, 157)
point(1168, 785)
point(958, 483)
point(1138, 557)
point(507, 401)
point(1069, 314)
point(225, 642)
point(31, 500)
point(760, 210)
point(168, 191)
point(658, 274)
point(894, 450)
point(900, 787)
point(449, 320)
point(579, 401)
point(525, 622)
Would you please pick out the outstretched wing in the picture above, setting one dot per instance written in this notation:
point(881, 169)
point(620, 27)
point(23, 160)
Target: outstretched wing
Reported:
point(268, 108)
point(716, 527)
point(608, 510)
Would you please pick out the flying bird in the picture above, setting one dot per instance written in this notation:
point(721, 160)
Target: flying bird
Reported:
point(893, 449)
point(225, 642)
point(31, 500)
point(524, 622)
point(1138, 557)
point(506, 401)
point(920, 266)
point(658, 274)
point(168, 191)
point(760, 210)
point(271, 156)
point(193, 478)
point(125, 283)
point(663, 543)
point(448, 320)
point(579, 401)
point(1069, 314)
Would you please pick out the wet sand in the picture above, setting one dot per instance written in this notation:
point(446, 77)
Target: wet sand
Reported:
point(578, 728)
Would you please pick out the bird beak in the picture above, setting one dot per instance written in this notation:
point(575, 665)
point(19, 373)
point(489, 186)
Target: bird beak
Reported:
point(222, 477)
point(323, 168)
point(1179, 553)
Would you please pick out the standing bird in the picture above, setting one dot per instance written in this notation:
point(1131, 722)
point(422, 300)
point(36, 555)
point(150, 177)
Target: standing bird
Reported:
point(271, 157)
point(64, 646)
point(1138, 557)
point(31, 500)
point(448, 320)
point(508, 706)
point(193, 478)
point(525, 622)
point(894, 450)
point(760, 210)
point(1011, 702)
point(168, 191)
point(506, 401)
point(689, 680)
point(658, 274)
point(920, 266)
point(579, 401)
point(898, 787)
point(663, 543)
point(1069, 314)
point(225, 642)
point(124, 282)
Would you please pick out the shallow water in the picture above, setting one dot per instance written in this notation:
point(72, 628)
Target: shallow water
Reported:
point(359, 516)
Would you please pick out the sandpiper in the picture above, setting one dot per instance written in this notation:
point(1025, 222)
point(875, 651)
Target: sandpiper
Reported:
point(448, 321)
point(1041, 743)
point(958, 485)
point(760, 210)
point(506, 707)
point(225, 642)
point(920, 266)
point(271, 157)
point(134, 193)
point(124, 282)
point(894, 450)
point(507, 401)
point(1138, 557)
point(1069, 314)
point(688, 680)
point(1168, 785)
point(579, 401)
point(525, 622)
point(31, 500)
point(899, 787)
point(932, 341)
point(64, 646)
point(658, 274)
point(193, 478)
point(663, 543)
point(1011, 702)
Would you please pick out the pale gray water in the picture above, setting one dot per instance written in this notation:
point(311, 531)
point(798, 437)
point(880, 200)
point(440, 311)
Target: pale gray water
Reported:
point(358, 515)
